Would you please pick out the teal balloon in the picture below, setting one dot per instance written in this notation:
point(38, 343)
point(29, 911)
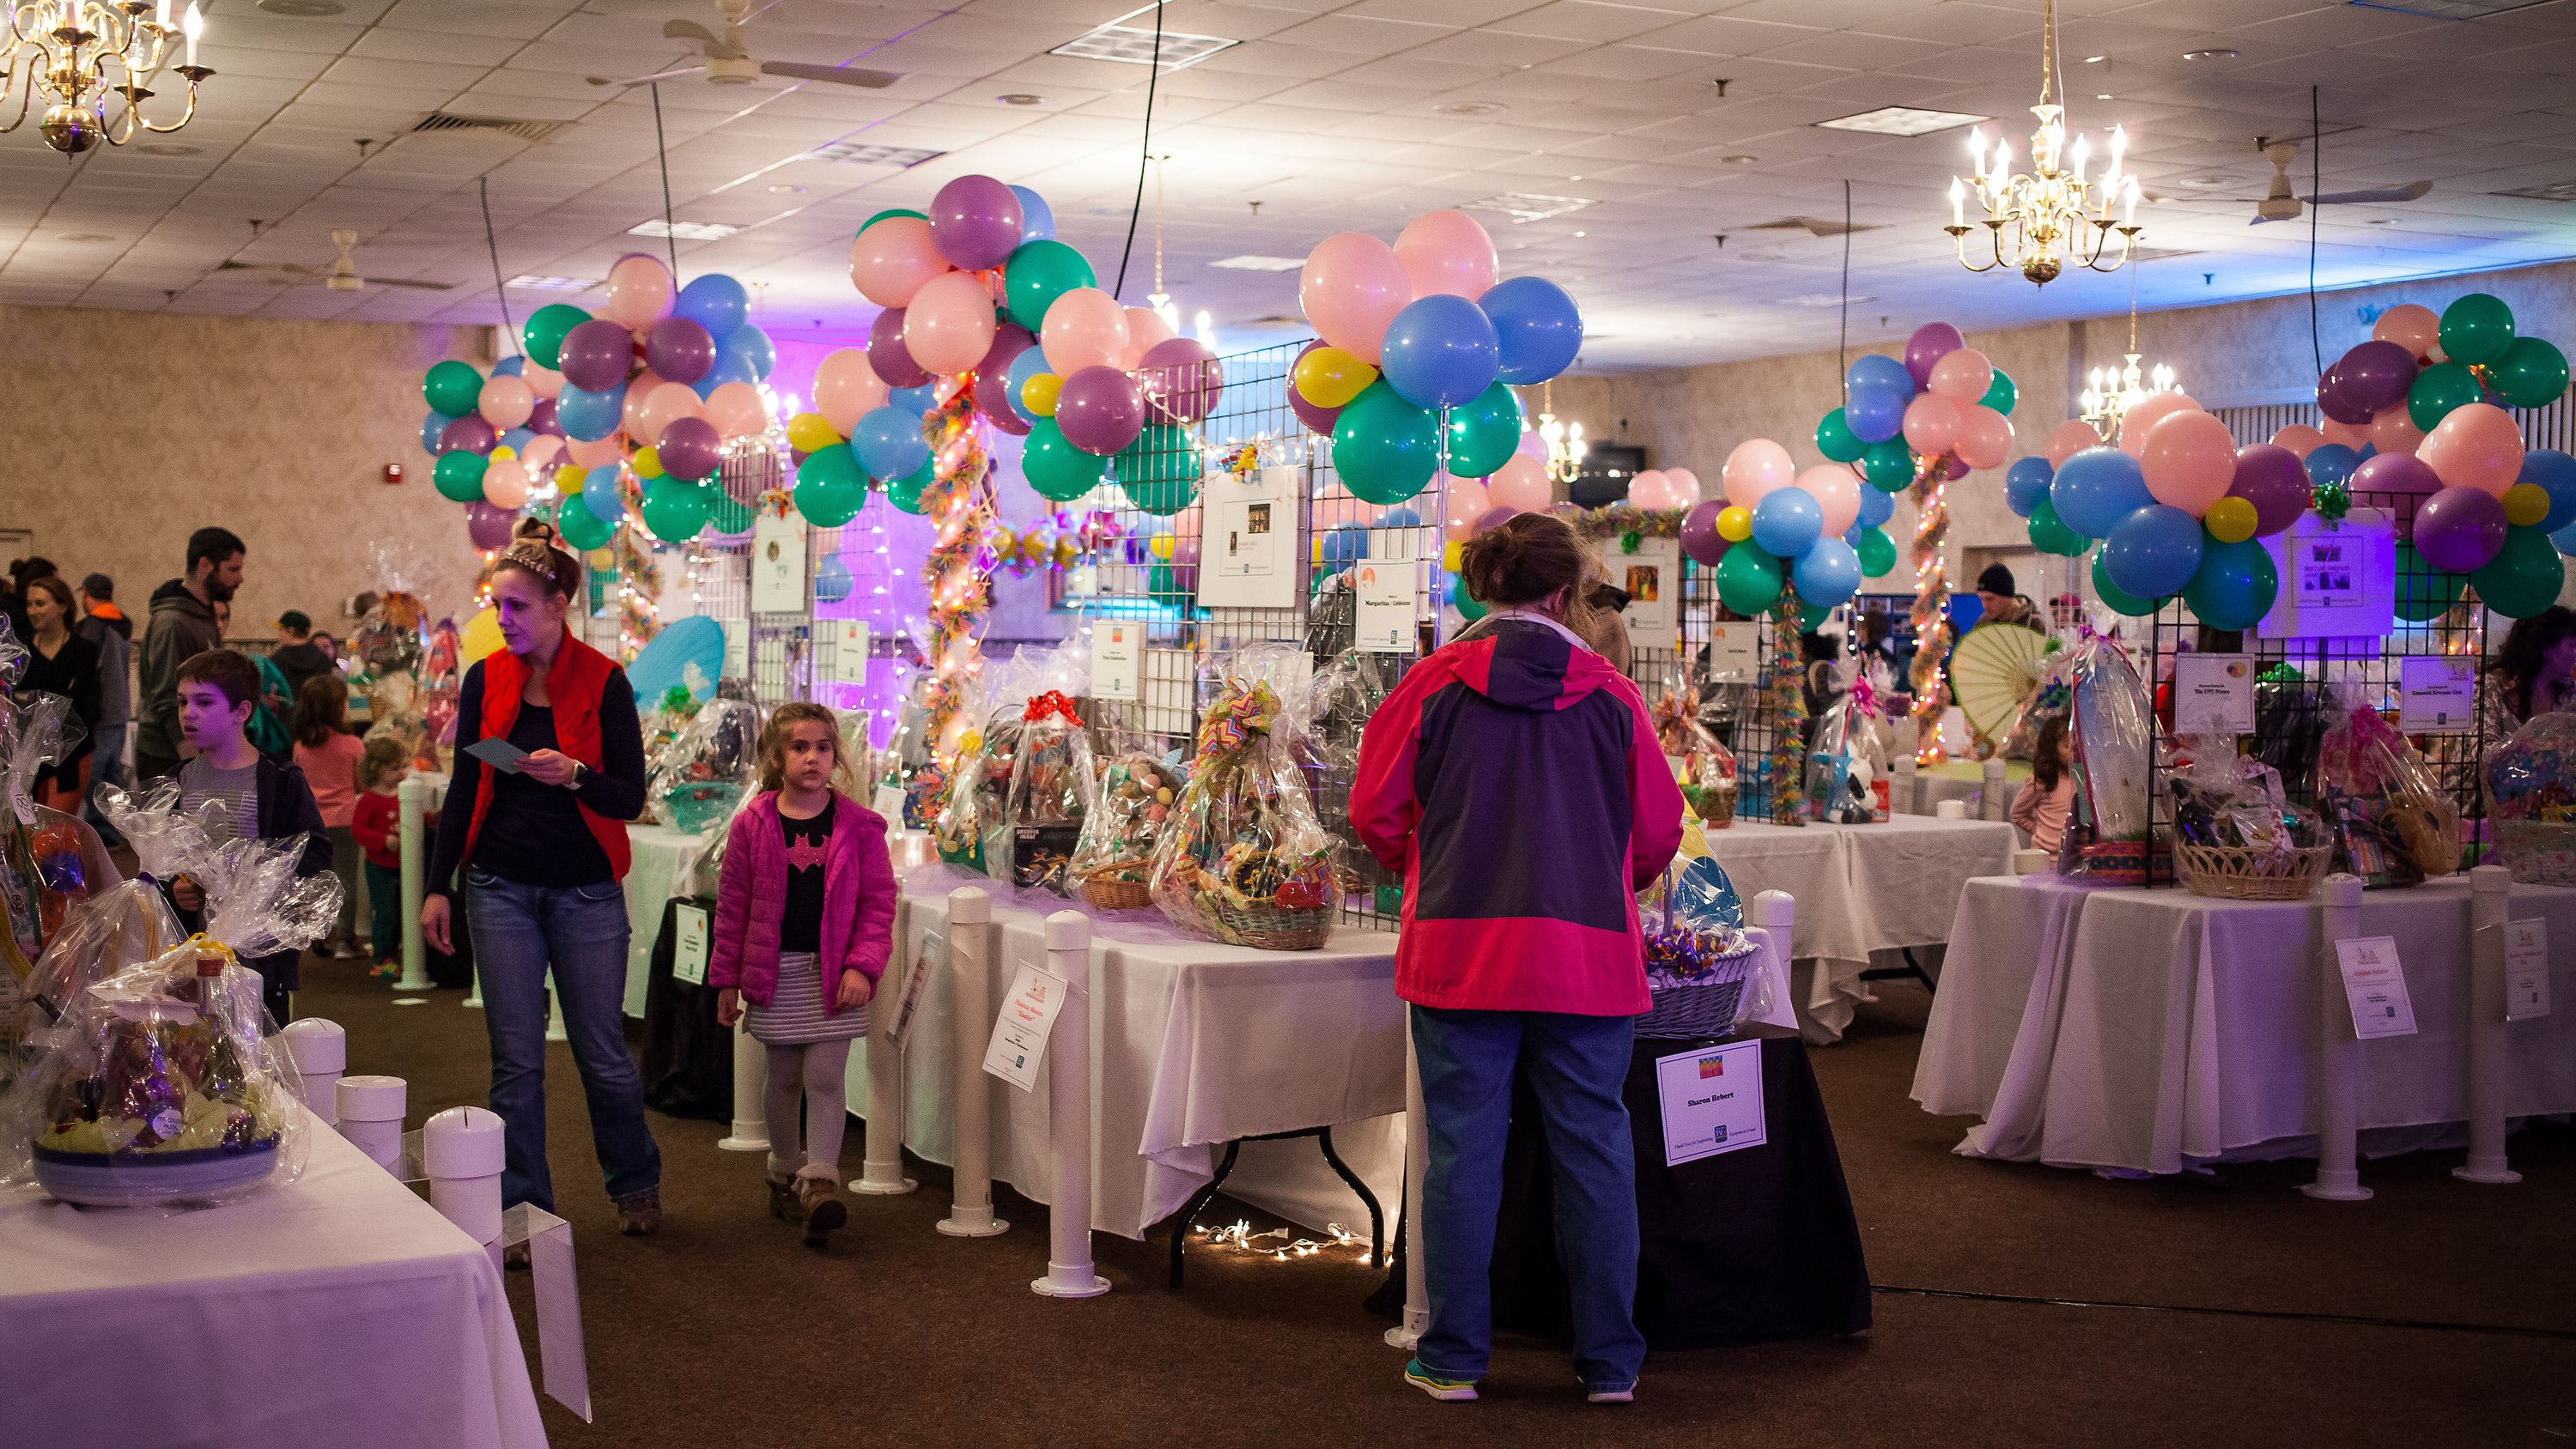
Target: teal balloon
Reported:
point(1484, 432)
point(1748, 580)
point(1059, 471)
point(459, 475)
point(905, 492)
point(674, 510)
point(544, 332)
point(2440, 390)
point(724, 514)
point(1835, 439)
point(2128, 605)
point(2475, 329)
point(2531, 373)
point(2425, 593)
point(1888, 466)
point(891, 211)
point(2234, 585)
point(831, 487)
point(1385, 448)
point(1160, 470)
point(1877, 553)
point(582, 528)
point(2001, 394)
point(831, 466)
point(1812, 617)
point(2525, 575)
point(2048, 535)
point(452, 388)
point(1465, 603)
point(1036, 274)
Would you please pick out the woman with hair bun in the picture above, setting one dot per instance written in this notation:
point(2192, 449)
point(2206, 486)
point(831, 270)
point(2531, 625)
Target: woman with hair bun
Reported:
point(1515, 781)
point(542, 843)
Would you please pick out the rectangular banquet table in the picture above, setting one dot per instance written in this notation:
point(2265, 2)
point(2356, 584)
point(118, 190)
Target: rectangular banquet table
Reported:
point(339, 1310)
point(2150, 1030)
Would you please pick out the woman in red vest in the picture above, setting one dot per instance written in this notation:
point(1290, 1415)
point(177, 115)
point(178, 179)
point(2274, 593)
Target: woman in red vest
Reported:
point(542, 843)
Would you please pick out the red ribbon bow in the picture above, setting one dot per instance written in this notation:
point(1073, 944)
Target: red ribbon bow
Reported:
point(1053, 702)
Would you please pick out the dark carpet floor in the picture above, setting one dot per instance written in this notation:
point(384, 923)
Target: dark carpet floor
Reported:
point(2018, 1305)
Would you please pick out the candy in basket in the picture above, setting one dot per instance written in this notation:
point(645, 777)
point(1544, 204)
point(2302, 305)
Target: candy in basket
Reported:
point(1705, 767)
point(1050, 792)
point(2392, 823)
point(1699, 961)
point(1114, 857)
point(2235, 835)
point(2532, 778)
point(1245, 860)
point(124, 924)
point(703, 773)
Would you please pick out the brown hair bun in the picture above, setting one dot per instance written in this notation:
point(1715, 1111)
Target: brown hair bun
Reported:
point(1527, 557)
point(535, 550)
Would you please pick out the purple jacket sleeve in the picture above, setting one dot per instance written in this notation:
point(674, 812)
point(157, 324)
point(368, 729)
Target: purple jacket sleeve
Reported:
point(1383, 807)
point(733, 906)
point(872, 935)
point(1655, 800)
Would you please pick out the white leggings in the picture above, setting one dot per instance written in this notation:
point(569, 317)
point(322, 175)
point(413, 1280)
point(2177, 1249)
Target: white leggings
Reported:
point(818, 1073)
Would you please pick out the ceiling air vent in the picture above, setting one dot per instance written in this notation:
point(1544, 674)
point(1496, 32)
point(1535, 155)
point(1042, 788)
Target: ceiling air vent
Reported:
point(862, 153)
point(2554, 191)
point(1812, 226)
point(440, 123)
point(1523, 206)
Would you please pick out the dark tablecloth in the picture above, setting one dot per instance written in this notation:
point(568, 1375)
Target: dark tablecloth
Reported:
point(687, 1056)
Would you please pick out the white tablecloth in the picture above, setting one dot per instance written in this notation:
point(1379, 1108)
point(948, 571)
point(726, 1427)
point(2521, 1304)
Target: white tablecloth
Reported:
point(342, 1310)
point(662, 857)
point(1865, 893)
point(2152, 1029)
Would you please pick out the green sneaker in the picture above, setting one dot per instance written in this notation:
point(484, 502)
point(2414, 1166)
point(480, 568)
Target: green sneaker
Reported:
point(1445, 1390)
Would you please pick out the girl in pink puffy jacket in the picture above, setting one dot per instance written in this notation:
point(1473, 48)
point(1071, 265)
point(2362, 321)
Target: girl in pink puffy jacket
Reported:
point(804, 924)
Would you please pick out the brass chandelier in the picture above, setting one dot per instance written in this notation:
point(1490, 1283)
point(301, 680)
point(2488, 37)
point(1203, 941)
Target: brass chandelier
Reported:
point(2115, 390)
point(2038, 221)
point(87, 56)
point(1565, 442)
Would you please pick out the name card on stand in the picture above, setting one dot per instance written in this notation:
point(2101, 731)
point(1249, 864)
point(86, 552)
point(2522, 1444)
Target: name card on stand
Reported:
point(2437, 694)
point(1116, 646)
point(689, 944)
point(2526, 969)
point(1712, 1101)
point(2213, 694)
point(916, 983)
point(1388, 605)
point(1027, 1018)
point(2374, 985)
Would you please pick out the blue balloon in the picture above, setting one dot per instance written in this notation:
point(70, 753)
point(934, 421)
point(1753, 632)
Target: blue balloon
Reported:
point(1875, 414)
point(728, 367)
point(716, 302)
point(599, 493)
point(1825, 574)
point(2025, 483)
point(1872, 372)
point(2565, 538)
point(1345, 546)
point(517, 439)
point(832, 580)
point(1399, 518)
point(2153, 552)
point(2368, 452)
point(1037, 219)
point(1876, 508)
point(2554, 473)
point(2332, 463)
point(1787, 522)
point(752, 345)
point(587, 417)
point(2234, 586)
point(918, 401)
point(2096, 490)
point(889, 443)
point(1536, 326)
point(430, 427)
point(1440, 352)
point(1030, 363)
point(511, 366)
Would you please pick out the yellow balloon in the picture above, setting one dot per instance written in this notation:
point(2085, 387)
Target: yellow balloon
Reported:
point(568, 479)
point(502, 452)
point(648, 462)
point(1328, 377)
point(1734, 524)
point(1315, 550)
point(2232, 520)
point(481, 637)
point(809, 433)
point(2526, 504)
point(1453, 557)
point(1038, 393)
point(1161, 547)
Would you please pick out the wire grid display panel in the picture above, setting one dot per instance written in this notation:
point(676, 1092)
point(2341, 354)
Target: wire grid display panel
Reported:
point(713, 578)
point(1737, 715)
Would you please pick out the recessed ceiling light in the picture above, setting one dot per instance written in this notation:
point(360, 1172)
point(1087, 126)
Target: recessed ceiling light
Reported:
point(1739, 159)
point(1523, 206)
point(2095, 59)
point(684, 230)
point(2208, 181)
point(1578, 233)
point(2381, 221)
point(88, 236)
point(2102, 96)
point(1020, 98)
point(532, 282)
point(1471, 108)
point(784, 189)
point(1253, 262)
point(1902, 121)
point(302, 9)
point(860, 153)
point(2219, 52)
point(168, 148)
point(1129, 45)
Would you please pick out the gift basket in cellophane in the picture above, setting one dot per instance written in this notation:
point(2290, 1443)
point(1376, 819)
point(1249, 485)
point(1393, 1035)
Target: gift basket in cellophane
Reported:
point(2110, 740)
point(122, 924)
point(1847, 768)
point(1114, 857)
point(2235, 834)
point(2393, 825)
point(706, 770)
point(1048, 795)
point(1705, 767)
point(163, 1084)
point(1699, 961)
point(2532, 782)
point(970, 830)
point(49, 861)
point(1244, 859)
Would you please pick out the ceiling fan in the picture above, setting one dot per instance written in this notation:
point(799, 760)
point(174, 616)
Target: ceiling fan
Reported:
point(2283, 201)
point(729, 64)
point(340, 276)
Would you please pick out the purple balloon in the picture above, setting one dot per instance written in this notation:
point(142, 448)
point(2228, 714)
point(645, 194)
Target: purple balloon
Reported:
point(1930, 343)
point(1317, 420)
point(1954, 468)
point(1699, 532)
point(541, 418)
point(1182, 380)
point(2334, 403)
point(1490, 519)
point(1010, 339)
point(597, 355)
point(992, 400)
point(690, 448)
point(469, 432)
point(888, 358)
point(1100, 409)
point(2275, 482)
point(976, 222)
point(2460, 530)
point(679, 350)
point(2376, 376)
point(489, 525)
point(2403, 474)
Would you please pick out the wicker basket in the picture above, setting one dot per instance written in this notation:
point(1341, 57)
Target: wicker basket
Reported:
point(1705, 1007)
point(2538, 852)
point(1116, 895)
point(1267, 928)
point(2229, 872)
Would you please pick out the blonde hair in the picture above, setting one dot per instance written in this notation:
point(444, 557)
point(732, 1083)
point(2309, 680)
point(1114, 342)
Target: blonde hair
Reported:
point(535, 550)
point(773, 746)
point(1603, 629)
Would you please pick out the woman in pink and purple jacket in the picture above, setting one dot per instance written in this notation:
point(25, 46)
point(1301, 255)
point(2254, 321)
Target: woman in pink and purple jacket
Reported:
point(804, 924)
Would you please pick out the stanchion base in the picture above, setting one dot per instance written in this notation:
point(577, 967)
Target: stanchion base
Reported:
point(984, 1226)
point(407, 985)
point(2348, 1192)
point(411, 1001)
point(741, 1141)
point(1407, 1339)
point(1073, 1287)
point(888, 1188)
point(473, 1002)
point(2500, 1175)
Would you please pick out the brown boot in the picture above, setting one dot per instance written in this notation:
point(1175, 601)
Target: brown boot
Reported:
point(824, 1210)
point(783, 1203)
point(640, 1216)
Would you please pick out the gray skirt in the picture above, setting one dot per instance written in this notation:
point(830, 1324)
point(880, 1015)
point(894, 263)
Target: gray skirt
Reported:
point(794, 1015)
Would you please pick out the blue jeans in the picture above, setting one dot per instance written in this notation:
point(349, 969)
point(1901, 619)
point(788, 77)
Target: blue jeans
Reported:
point(518, 931)
point(1577, 1066)
point(107, 767)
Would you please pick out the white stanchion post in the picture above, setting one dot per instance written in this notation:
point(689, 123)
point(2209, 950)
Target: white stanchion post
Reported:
point(474, 993)
point(554, 1010)
point(881, 1175)
point(1407, 1333)
point(750, 1078)
point(461, 1151)
point(2490, 888)
point(1069, 1274)
point(1776, 912)
point(412, 804)
point(321, 1053)
point(2338, 1057)
point(1992, 803)
point(371, 1117)
point(970, 944)
point(1901, 797)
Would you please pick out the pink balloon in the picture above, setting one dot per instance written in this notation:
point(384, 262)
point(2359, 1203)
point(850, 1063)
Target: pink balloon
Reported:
point(1351, 288)
point(2069, 438)
point(1520, 485)
point(543, 381)
point(736, 410)
point(845, 387)
point(540, 453)
point(2189, 459)
point(666, 405)
point(1447, 253)
point(1646, 489)
point(1757, 468)
point(948, 324)
point(598, 452)
point(2355, 436)
point(2394, 431)
point(893, 259)
point(1836, 489)
point(505, 484)
point(505, 402)
point(2300, 439)
point(2477, 446)
point(2153, 409)
point(1532, 446)
point(1931, 424)
point(1683, 485)
point(638, 388)
point(1985, 436)
point(639, 292)
point(1084, 328)
point(1145, 328)
point(2416, 328)
point(1466, 502)
point(1963, 377)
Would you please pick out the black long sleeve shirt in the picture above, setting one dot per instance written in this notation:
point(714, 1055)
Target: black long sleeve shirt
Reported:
point(533, 833)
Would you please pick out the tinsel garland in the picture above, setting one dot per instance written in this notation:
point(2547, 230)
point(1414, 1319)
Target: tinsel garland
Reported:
point(1618, 520)
point(1930, 674)
point(959, 571)
point(639, 584)
point(1788, 711)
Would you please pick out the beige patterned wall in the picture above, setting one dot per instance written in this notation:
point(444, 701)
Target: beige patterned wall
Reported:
point(123, 431)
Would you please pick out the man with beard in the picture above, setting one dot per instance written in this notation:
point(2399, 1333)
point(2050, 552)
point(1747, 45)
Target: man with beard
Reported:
point(182, 627)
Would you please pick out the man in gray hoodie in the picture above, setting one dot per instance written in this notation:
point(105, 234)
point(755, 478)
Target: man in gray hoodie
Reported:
point(181, 628)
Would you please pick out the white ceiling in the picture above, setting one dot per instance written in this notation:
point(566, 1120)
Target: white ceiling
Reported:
point(1329, 116)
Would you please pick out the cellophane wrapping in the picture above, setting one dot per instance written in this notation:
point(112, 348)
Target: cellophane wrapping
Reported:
point(124, 924)
point(2532, 778)
point(2393, 824)
point(1695, 939)
point(967, 830)
point(1052, 782)
point(1705, 767)
point(2225, 799)
point(706, 770)
point(1136, 793)
point(1244, 859)
point(1847, 768)
point(49, 861)
point(2111, 739)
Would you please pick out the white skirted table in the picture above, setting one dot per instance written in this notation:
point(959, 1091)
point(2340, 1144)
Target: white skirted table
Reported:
point(339, 1310)
point(662, 859)
point(2151, 1030)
